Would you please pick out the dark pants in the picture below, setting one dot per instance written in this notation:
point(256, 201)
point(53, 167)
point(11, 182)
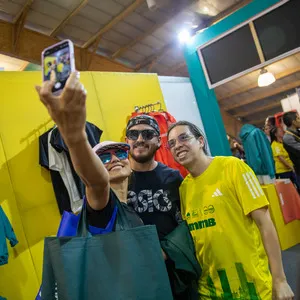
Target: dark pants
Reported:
point(295, 179)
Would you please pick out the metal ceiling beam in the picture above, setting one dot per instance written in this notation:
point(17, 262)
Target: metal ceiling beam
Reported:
point(24, 9)
point(258, 122)
point(19, 22)
point(73, 13)
point(230, 10)
point(214, 20)
point(265, 94)
point(257, 110)
point(32, 43)
point(173, 70)
point(128, 10)
point(178, 67)
point(180, 8)
point(153, 57)
point(254, 85)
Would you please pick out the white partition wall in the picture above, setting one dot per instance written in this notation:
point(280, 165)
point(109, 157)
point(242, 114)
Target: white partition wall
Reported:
point(180, 99)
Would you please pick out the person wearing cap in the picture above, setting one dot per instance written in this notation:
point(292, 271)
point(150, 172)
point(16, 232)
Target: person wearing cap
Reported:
point(153, 190)
point(106, 179)
point(228, 217)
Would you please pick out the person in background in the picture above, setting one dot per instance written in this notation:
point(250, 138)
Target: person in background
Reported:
point(283, 164)
point(270, 120)
point(153, 190)
point(236, 148)
point(266, 130)
point(228, 217)
point(291, 139)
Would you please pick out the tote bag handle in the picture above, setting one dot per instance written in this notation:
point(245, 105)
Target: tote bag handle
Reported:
point(122, 222)
point(82, 229)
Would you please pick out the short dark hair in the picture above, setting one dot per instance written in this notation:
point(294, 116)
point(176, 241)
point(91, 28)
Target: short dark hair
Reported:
point(289, 117)
point(271, 121)
point(195, 130)
point(273, 132)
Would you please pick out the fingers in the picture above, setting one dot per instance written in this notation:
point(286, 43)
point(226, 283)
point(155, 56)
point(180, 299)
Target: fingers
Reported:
point(70, 86)
point(45, 92)
point(79, 95)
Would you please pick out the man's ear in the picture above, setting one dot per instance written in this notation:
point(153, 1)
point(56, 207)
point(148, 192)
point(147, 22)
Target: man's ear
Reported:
point(202, 142)
point(159, 142)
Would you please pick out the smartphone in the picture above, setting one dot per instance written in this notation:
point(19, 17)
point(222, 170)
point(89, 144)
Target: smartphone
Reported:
point(58, 63)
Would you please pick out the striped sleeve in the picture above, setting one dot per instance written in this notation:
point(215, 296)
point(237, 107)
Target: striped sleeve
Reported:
point(247, 188)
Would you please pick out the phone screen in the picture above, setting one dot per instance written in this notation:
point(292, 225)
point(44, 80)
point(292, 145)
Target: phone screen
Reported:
point(57, 64)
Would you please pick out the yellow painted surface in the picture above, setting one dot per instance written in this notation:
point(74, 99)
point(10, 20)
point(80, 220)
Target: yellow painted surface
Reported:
point(289, 234)
point(18, 279)
point(119, 93)
point(26, 190)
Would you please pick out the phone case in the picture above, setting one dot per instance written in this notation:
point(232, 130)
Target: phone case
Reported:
point(72, 59)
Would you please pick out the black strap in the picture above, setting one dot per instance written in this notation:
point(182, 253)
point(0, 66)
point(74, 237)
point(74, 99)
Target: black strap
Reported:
point(82, 229)
point(122, 222)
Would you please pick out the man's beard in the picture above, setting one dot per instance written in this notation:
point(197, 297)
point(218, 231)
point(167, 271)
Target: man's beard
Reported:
point(145, 158)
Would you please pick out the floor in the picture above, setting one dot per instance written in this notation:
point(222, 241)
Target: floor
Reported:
point(291, 264)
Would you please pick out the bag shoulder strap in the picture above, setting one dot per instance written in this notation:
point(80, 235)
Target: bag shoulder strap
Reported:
point(293, 134)
point(122, 222)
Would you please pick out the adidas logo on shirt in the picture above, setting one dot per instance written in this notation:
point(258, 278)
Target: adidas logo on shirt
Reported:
point(217, 193)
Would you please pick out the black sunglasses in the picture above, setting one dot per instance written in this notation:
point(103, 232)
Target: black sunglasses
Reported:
point(147, 134)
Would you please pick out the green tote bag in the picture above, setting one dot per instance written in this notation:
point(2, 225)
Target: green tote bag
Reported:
point(124, 264)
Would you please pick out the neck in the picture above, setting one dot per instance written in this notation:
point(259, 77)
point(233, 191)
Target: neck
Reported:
point(120, 188)
point(200, 165)
point(143, 167)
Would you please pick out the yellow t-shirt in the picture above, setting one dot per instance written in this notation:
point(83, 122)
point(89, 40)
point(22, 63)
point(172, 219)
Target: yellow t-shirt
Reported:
point(229, 248)
point(278, 150)
point(60, 67)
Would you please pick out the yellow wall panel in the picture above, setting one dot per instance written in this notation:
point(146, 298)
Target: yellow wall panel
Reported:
point(18, 280)
point(119, 93)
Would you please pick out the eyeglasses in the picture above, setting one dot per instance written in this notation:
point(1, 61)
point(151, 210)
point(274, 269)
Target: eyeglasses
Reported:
point(147, 134)
point(182, 138)
point(106, 157)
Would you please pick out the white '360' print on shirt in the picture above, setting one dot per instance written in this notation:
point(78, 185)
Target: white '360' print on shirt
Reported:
point(145, 200)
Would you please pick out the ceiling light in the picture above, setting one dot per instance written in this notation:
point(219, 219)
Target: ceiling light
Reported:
point(152, 5)
point(184, 36)
point(205, 9)
point(265, 78)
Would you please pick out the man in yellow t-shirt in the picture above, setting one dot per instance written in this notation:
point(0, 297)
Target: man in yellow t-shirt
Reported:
point(227, 213)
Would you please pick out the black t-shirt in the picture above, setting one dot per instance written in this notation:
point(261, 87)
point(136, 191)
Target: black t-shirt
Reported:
point(154, 195)
point(100, 218)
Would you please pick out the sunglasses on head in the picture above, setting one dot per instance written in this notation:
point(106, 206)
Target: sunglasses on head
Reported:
point(106, 157)
point(147, 134)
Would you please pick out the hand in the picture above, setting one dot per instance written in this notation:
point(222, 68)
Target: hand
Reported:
point(282, 291)
point(67, 110)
